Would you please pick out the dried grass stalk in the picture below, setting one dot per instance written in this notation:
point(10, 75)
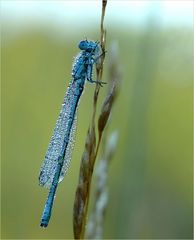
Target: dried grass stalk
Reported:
point(89, 155)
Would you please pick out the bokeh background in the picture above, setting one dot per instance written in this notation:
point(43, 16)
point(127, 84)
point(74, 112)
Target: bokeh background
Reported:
point(150, 177)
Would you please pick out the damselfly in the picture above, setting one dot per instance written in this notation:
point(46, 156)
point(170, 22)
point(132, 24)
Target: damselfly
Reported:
point(58, 155)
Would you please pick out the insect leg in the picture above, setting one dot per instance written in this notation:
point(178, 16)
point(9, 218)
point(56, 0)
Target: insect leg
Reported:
point(89, 73)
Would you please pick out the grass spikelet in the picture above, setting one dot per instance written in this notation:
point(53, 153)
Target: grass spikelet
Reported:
point(96, 219)
point(114, 80)
point(81, 197)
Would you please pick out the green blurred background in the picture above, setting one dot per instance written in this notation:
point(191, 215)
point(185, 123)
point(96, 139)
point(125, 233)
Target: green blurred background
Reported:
point(150, 178)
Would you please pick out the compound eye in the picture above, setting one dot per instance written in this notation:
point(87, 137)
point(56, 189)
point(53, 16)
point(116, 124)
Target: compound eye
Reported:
point(83, 45)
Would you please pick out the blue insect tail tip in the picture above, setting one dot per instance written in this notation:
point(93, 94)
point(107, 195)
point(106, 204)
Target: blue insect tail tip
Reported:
point(43, 224)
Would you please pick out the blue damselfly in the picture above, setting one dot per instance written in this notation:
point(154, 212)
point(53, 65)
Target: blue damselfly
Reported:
point(59, 151)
